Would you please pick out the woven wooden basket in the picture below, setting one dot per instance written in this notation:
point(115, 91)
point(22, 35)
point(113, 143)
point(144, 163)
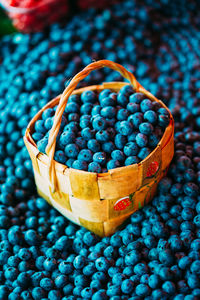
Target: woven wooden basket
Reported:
point(99, 202)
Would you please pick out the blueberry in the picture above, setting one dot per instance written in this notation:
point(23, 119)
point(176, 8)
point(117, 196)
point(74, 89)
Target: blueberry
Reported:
point(125, 128)
point(146, 105)
point(88, 97)
point(120, 141)
point(100, 158)
point(85, 121)
point(86, 108)
point(108, 147)
point(131, 160)
point(122, 114)
point(108, 112)
point(146, 128)
point(122, 99)
point(85, 155)
point(102, 136)
point(108, 101)
point(93, 145)
point(81, 142)
point(67, 137)
point(112, 164)
point(141, 140)
point(87, 133)
point(150, 116)
point(104, 93)
point(71, 150)
point(143, 290)
point(96, 110)
point(94, 167)
point(133, 107)
point(136, 98)
point(136, 119)
point(100, 295)
point(143, 153)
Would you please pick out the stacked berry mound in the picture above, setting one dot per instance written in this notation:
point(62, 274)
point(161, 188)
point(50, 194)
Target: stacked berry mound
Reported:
point(104, 131)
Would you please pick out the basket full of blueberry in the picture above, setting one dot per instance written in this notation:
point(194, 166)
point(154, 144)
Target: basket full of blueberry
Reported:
point(98, 152)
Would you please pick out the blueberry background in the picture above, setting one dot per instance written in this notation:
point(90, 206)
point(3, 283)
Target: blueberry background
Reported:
point(156, 255)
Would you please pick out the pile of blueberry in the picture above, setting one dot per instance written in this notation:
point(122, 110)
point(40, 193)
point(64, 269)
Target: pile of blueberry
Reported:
point(105, 131)
point(156, 254)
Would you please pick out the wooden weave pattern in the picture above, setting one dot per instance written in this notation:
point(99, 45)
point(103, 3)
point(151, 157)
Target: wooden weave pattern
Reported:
point(99, 202)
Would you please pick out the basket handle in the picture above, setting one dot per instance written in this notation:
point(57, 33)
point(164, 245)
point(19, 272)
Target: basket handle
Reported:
point(50, 148)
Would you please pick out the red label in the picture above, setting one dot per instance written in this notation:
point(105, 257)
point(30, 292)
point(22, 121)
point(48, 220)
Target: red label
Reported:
point(152, 169)
point(122, 203)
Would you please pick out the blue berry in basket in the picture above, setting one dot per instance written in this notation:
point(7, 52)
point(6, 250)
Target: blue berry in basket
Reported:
point(169, 287)
point(118, 155)
point(163, 111)
point(112, 164)
point(73, 98)
point(122, 114)
point(144, 152)
point(133, 107)
point(67, 137)
point(122, 100)
point(127, 286)
point(120, 141)
point(99, 123)
point(60, 156)
point(136, 97)
point(146, 105)
point(102, 136)
point(94, 167)
point(81, 142)
point(71, 127)
point(73, 117)
point(142, 290)
point(127, 90)
point(72, 107)
point(85, 155)
point(131, 149)
point(100, 158)
point(39, 126)
point(100, 295)
point(136, 119)
point(104, 93)
point(146, 128)
point(93, 145)
point(48, 123)
point(47, 284)
point(69, 162)
point(108, 147)
point(163, 120)
point(88, 97)
point(71, 150)
point(108, 101)
point(153, 141)
point(150, 116)
point(96, 110)
point(108, 112)
point(37, 136)
point(86, 108)
point(131, 160)
point(141, 140)
point(126, 128)
point(87, 133)
point(85, 121)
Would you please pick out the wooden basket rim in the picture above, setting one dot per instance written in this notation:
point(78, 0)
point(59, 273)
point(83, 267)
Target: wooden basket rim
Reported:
point(61, 168)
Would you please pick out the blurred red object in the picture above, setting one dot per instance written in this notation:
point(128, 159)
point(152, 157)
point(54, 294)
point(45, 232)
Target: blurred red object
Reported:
point(34, 15)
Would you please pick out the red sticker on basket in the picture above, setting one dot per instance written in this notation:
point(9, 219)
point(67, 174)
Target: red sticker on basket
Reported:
point(152, 169)
point(122, 203)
